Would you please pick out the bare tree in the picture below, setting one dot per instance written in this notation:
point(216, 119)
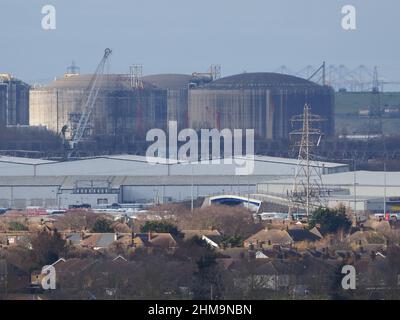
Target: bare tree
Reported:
point(232, 221)
point(77, 220)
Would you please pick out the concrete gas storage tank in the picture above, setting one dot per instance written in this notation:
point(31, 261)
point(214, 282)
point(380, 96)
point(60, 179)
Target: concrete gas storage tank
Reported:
point(119, 109)
point(177, 86)
point(261, 101)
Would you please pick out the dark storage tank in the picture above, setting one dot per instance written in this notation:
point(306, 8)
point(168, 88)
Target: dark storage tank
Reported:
point(177, 86)
point(14, 101)
point(261, 101)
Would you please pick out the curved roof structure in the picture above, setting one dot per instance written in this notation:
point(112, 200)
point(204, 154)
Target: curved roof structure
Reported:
point(169, 81)
point(260, 80)
point(112, 82)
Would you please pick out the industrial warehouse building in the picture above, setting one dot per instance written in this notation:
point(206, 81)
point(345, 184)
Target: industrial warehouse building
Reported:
point(360, 190)
point(126, 179)
point(14, 101)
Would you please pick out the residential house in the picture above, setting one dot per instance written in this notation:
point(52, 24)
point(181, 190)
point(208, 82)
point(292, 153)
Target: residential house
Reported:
point(268, 237)
point(37, 275)
point(150, 240)
point(262, 275)
point(382, 226)
point(101, 241)
point(13, 238)
point(378, 276)
point(214, 241)
point(368, 241)
point(12, 278)
point(69, 273)
point(189, 234)
point(261, 255)
point(303, 235)
point(212, 237)
point(98, 241)
point(286, 275)
point(235, 253)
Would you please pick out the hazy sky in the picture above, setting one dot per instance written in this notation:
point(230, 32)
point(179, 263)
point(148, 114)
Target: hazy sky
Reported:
point(182, 36)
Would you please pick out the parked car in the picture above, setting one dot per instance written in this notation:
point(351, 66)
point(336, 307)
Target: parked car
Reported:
point(80, 206)
point(394, 216)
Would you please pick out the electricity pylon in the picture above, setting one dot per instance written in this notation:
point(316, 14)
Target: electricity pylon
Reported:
point(307, 191)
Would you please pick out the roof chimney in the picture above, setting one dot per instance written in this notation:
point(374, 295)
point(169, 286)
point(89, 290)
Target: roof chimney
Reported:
point(133, 236)
point(116, 236)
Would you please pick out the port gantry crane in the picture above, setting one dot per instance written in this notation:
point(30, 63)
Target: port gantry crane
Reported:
point(89, 103)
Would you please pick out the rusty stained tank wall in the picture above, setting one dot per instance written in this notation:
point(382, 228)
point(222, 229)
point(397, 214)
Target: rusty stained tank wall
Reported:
point(176, 86)
point(178, 107)
point(119, 108)
point(14, 101)
point(135, 111)
point(264, 102)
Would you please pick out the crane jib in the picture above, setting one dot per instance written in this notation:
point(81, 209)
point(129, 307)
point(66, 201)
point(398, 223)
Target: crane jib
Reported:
point(89, 102)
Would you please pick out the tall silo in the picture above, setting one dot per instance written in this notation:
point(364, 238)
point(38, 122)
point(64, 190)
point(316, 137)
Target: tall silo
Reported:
point(14, 101)
point(261, 101)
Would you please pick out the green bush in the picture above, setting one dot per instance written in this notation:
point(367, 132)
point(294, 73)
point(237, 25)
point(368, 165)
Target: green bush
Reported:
point(330, 220)
point(159, 227)
point(233, 241)
point(102, 225)
point(17, 226)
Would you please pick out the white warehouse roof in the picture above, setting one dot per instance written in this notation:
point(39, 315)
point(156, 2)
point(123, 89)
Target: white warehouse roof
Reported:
point(366, 183)
point(131, 165)
point(21, 160)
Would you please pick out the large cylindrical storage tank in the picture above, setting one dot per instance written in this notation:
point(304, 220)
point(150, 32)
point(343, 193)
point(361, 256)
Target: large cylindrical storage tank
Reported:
point(177, 86)
point(261, 101)
point(14, 101)
point(119, 108)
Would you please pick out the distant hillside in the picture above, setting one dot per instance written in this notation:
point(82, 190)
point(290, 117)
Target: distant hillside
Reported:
point(348, 105)
point(351, 102)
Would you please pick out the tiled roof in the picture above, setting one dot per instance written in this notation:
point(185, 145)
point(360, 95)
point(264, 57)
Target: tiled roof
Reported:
point(164, 240)
point(302, 235)
point(274, 236)
point(73, 265)
point(188, 234)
